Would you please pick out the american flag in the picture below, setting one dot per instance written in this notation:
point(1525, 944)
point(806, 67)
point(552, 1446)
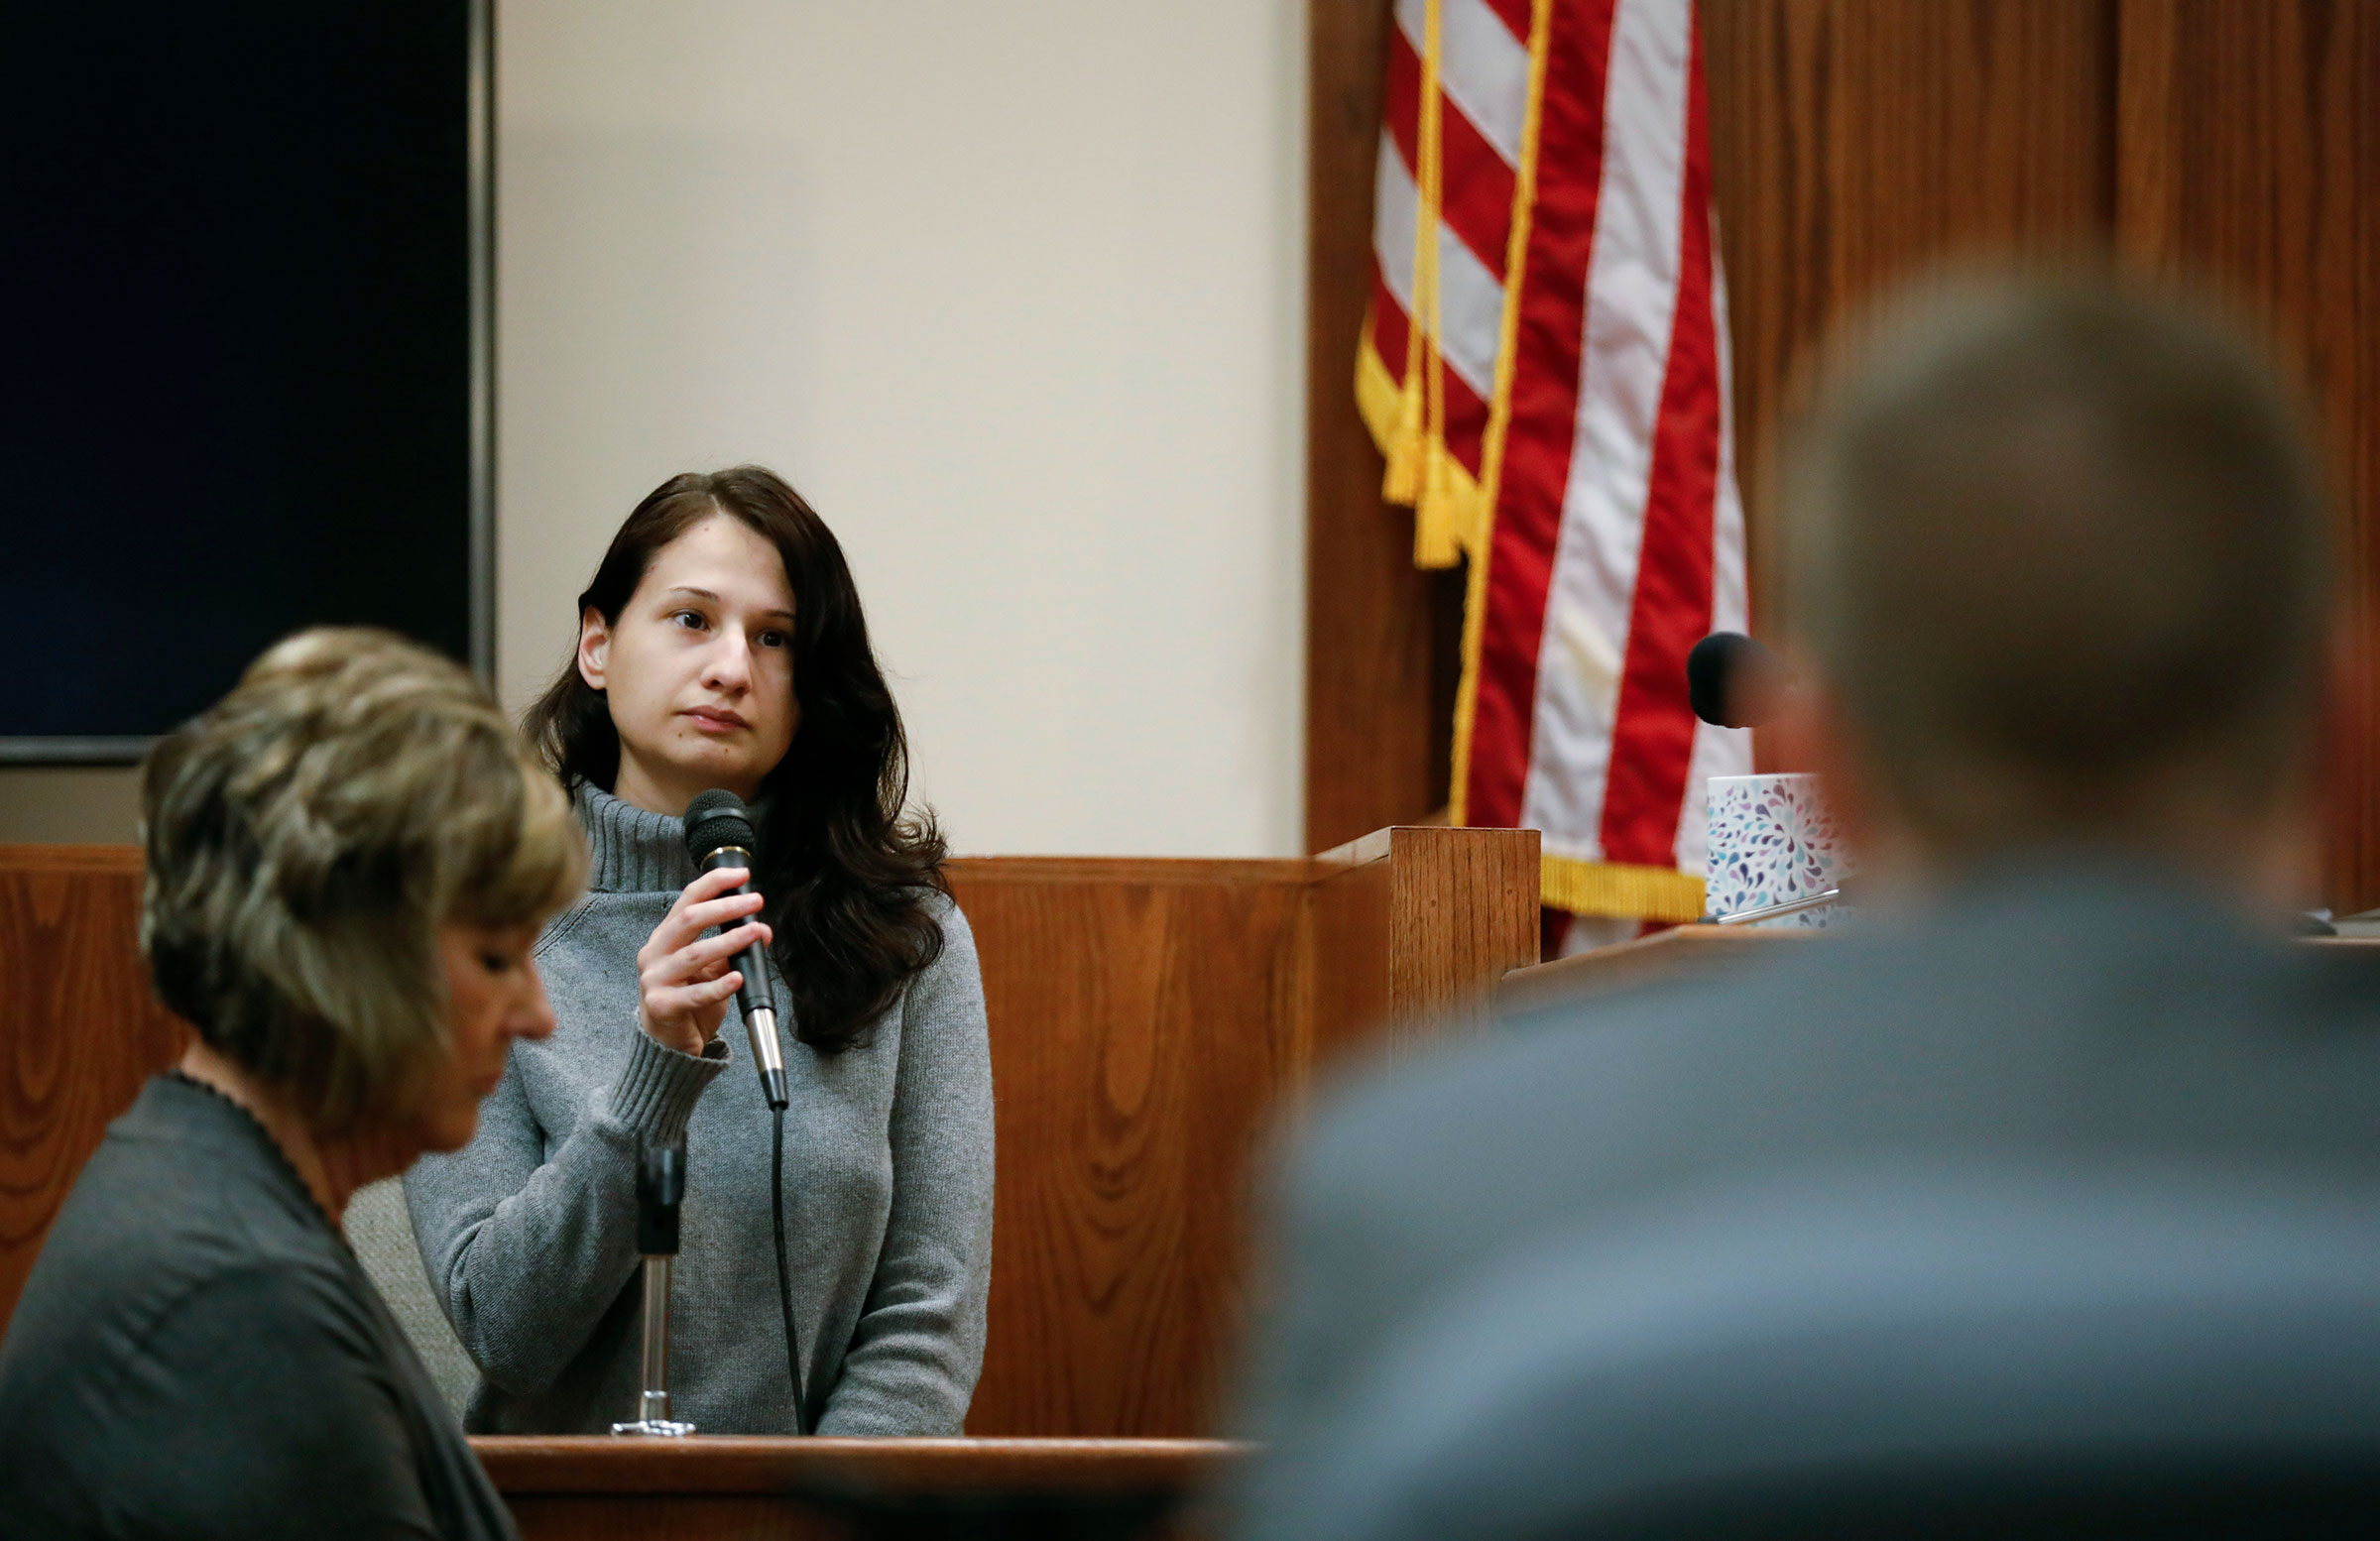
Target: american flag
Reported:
point(1545, 366)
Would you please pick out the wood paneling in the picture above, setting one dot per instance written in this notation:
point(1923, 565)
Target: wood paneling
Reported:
point(1149, 1020)
point(2249, 141)
point(1381, 636)
point(1350, 906)
point(657, 1516)
point(1463, 909)
point(1426, 887)
point(584, 1464)
point(79, 1030)
point(1145, 1020)
point(705, 1488)
point(1854, 142)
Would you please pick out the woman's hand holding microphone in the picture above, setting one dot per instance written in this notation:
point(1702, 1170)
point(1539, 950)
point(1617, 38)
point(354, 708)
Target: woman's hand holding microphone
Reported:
point(684, 979)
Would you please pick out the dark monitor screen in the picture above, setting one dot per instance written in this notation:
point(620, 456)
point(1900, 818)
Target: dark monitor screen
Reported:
point(247, 374)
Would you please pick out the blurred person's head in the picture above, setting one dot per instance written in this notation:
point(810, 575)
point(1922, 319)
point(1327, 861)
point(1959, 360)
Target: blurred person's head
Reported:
point(2059, 553)
point(349, 858)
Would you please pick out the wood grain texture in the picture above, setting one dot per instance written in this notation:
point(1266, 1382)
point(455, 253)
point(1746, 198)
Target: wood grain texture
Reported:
point(1347, 924)
point(79, 1030)
point(708, 1464)
point(1856, 142)
point(977, 873)
point(1149, 1021)
point(1411, 927)
point(1462, 912)
point(2249, 144)
point(1381, 638)
point(707, 1489)
point(674, 1518)
point(1141, 1033)
point(713, 1517)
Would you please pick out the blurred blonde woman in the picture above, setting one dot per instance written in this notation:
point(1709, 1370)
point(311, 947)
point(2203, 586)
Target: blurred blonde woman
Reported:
point(349, 858)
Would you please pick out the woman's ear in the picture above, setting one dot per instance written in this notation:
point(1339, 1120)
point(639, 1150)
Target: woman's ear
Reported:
point(594, 647)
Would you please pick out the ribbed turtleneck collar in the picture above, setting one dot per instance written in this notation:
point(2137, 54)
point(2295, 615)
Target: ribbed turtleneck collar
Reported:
point(631, 851)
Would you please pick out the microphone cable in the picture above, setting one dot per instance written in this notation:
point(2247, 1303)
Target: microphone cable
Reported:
point(718, 833)
point(785, 1279)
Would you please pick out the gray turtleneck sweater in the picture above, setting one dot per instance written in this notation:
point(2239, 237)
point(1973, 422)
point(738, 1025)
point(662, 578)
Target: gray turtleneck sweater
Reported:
point(528, 1233)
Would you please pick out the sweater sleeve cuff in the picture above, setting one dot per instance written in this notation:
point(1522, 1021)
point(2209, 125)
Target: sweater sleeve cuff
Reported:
point(659, 1087)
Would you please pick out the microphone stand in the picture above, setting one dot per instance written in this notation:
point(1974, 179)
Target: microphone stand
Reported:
point(660, 1185)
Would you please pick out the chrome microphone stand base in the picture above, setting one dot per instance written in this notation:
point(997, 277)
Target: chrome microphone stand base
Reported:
point(653, 1418)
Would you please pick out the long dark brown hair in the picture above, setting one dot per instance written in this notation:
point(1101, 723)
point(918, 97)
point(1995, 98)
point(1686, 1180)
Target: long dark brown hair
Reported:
point(846, 871)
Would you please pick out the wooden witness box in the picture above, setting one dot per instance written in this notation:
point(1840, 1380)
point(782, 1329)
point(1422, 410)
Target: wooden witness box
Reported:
point(1150, 1021)
point(705, 1489)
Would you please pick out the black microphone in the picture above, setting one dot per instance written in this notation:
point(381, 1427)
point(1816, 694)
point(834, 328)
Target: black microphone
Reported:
point(660, 1188)
point(718, 833)
point(1731, 681)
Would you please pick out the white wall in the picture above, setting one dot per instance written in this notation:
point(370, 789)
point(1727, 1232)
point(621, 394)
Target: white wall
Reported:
point(1013, 295)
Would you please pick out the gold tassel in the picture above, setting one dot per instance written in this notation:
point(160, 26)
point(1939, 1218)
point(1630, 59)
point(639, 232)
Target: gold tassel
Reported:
point(1437, 515)
point(1620, 888)
point(1403, 483)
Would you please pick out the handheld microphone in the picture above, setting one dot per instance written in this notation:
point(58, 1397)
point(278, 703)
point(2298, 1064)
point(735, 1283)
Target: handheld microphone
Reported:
point(718, 833)
point(1731, 681)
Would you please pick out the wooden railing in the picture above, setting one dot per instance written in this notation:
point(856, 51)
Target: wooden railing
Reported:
point(705, 1489)
point(1150, 1019)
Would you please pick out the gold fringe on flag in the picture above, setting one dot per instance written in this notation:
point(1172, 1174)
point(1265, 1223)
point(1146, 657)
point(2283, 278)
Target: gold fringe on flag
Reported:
point(1463, 500)
point(1411, 442)
point(1619, 889)
point(1407, 416)
point(1454, 514)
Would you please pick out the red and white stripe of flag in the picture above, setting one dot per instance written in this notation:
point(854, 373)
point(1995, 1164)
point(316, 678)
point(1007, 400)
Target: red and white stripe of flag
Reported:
point(1447, 194)
point(1590, 421)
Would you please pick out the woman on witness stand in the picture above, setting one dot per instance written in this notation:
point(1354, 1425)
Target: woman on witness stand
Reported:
point(349, 859)
point(721, 646)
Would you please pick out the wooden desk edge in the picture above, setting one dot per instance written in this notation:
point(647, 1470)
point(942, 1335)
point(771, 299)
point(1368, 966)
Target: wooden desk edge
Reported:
point(70, 858)
point(1667, 954)
point(978, 868)
point(737, 1464)
point(1645, 959)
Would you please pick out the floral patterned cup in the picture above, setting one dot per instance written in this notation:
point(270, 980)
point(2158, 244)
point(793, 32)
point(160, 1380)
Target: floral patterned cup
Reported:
point(1772, 842)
